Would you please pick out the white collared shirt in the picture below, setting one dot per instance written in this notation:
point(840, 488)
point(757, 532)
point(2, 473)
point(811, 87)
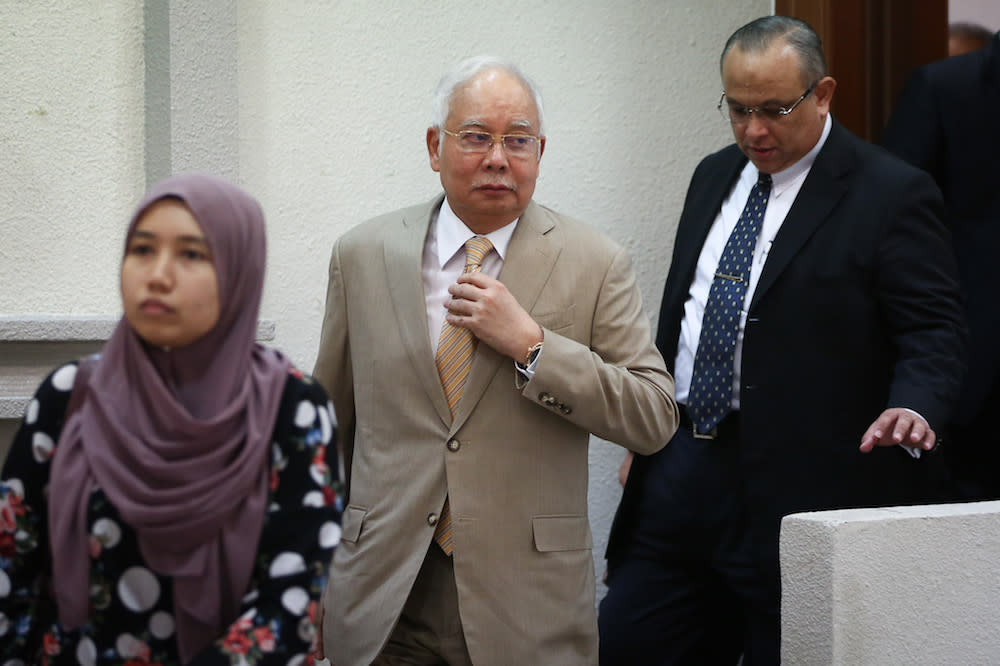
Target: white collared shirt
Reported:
point(444, 261)
point(785, 187)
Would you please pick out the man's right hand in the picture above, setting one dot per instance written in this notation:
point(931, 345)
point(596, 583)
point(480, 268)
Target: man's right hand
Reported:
point(626, 465)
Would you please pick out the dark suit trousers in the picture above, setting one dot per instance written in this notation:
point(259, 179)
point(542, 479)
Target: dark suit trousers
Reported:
point(688, 586)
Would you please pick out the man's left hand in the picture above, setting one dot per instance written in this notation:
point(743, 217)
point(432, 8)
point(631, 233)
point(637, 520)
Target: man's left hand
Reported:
point(484, 306)
point(898, 426)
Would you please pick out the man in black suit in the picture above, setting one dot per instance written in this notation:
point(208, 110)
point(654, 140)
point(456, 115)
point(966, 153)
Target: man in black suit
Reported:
point(946, 123)
point(845, 353)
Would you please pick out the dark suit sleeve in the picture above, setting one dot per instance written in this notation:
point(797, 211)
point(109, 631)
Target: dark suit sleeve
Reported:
point(915, 131)
point(917, 287)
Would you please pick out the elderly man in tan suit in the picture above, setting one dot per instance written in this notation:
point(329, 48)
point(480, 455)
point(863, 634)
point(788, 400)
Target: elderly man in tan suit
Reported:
point(471, 346)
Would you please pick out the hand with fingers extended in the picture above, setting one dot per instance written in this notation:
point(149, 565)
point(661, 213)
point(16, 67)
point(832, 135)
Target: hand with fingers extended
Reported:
point(897, 426)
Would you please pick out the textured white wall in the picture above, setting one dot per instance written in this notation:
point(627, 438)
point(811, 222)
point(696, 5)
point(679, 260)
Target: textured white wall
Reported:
point(71, 151)
point(901, 585)
point(320, 108)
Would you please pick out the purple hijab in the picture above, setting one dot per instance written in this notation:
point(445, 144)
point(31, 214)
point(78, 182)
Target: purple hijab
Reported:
point(178, 439)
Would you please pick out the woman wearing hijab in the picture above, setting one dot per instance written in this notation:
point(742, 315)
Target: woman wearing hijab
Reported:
point(174, 499)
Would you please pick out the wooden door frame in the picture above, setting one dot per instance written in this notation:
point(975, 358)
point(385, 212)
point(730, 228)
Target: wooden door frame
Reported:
point(871, 46)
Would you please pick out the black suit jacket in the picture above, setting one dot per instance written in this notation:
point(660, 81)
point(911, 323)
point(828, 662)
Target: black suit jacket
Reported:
point(947, 122)
point(856, 310)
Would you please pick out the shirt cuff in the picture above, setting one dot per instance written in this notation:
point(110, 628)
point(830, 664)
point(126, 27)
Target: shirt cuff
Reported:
point(912, 450)
point(528, 371)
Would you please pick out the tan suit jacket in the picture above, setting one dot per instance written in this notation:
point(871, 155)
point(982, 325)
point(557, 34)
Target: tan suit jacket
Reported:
point(513, 462)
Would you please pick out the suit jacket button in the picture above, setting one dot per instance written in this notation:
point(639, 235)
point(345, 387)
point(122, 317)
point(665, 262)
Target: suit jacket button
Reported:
point(453, 445)
point(432, 519)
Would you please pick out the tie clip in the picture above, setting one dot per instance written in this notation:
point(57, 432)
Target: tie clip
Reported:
point(734, 278)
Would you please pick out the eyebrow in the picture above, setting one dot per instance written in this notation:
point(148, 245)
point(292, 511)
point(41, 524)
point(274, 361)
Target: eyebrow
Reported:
point(475, 123)
point(186, 238)
point(767, 102)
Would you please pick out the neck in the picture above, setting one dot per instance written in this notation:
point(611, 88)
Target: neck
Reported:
point(488, 224)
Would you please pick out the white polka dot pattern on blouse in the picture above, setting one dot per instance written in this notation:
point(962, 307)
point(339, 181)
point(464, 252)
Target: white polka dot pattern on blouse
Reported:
point(161, 625)
point(138, 589)
point(41, 447)
point(305, 414)
point(295, 600)
point(63, 378)
point(31, 412)
point(324, 423)
point(129, 646)
point(107, 532)
point(286, 564)
point(329, 535)
point(313, 498)
point(86, 652)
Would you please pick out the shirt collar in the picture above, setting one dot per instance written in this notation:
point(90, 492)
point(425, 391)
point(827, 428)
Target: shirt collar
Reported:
point(452, 234)
point(782, 180)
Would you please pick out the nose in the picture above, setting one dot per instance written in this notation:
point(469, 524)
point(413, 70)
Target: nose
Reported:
point(755, 126)
point(496, 156)
point(161, 274)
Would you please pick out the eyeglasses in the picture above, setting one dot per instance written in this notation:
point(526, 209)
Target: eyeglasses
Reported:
point(521, 146)
point(739, 114)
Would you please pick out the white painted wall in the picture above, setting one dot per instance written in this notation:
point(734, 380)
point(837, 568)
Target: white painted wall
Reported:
point(320, 108)
point(983, 12)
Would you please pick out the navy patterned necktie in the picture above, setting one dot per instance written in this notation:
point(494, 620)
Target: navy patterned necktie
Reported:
point(711, 391)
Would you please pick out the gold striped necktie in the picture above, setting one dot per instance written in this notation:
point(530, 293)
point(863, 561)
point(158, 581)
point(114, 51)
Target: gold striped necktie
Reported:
point(453, 359)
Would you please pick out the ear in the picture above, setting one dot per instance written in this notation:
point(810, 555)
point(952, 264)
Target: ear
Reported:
point(541, 148)
point(433, 146)
point(823, 92)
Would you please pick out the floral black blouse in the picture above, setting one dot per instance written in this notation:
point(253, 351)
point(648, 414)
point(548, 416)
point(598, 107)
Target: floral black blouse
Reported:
point(131, 620)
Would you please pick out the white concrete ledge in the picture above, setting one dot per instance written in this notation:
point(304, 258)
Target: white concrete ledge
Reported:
point(900, 585)
point(79, 328)
point(61, 328)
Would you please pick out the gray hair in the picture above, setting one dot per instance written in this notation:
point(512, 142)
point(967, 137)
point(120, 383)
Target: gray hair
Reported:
point(760, 34)
point(459, 75)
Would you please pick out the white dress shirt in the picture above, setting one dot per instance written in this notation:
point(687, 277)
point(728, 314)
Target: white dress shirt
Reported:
point(785, 186)
point(444, 261)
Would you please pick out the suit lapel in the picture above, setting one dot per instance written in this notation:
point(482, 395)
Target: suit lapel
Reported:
point(823, 188)
point(691, 234)
point(531, 256)
point(403, 255)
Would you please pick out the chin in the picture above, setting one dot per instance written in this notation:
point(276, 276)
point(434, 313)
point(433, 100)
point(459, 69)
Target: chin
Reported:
point(157, 337)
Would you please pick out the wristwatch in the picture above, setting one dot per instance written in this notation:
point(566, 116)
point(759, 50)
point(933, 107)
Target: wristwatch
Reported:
point(533, 352)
